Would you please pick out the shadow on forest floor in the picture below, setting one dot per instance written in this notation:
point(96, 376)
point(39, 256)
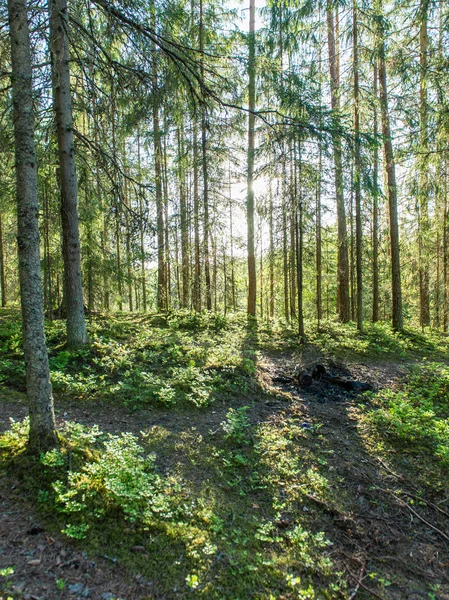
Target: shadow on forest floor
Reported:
point(276, 492)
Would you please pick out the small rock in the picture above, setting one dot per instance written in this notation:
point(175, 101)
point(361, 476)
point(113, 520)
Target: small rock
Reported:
point(34, 562)
point(76, 588)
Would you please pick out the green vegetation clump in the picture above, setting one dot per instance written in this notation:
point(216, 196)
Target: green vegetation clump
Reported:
point(212, 523)
point(182, 361)
point(417, 415)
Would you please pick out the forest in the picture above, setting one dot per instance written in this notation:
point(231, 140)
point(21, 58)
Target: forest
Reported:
point(224, 349)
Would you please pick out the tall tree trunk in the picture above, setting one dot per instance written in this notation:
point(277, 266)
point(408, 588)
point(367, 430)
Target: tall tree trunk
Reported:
point(252, 284)
point(375, 203)
point(161, 266)
point(205, 168)
point(285, 242)
point(423, 242)
point(357, 172)
point(271, 252)
point(2, 266)
point(167, 221)
point(196, 223)
point(318, 248)
point(73, 289)
point(299, 219)
point(351, 247)
point(183, 218)
point(118, 193)
point(445, 244)
point(343, 262)
point(103, 209)
point(391, 184)
point(231, 241)
point(42, 434)
point(129, 270)
point(293, 244)
point(47, 255)
point(141, 228)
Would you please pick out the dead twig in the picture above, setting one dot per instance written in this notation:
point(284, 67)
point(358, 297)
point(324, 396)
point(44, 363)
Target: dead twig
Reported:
point(358, 582)
point(431, 504)
point(365, 587)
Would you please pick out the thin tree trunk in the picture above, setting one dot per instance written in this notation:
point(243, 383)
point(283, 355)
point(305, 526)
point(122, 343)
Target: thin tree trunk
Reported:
point(183, 218)
point(196, 223)
point(392, 189)
point(271, 253)
point(141, 228)
point(445, 245)
point(375, 204)
point(252, 284)
point(128, 244)
point(299, 241)
point(162, 303)
point(214, 271)
point(318, 251)
point(42, 435)
point(261, 271)
point(117, 201)
point(351, 247)
point(47, 254)
point(423, 222)
point(205, 168)
point(2, 266)
point(357, 172)
point(285, 242)
point(73, 289)
point(343, 262)
point(231, 241)
point(167, 221)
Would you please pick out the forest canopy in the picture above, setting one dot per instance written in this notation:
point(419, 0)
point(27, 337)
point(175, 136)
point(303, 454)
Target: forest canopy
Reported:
point(340, 203)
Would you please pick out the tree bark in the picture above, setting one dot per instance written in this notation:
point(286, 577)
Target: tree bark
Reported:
point(2, 266)
point(141, 229)
point(161, 266)
point(343, 262)
point(391, 184)
point(183, 219)
point(205, 168)
point(196, 224)
point(42, 434)
point(375, 204)
point(252, 283)
point(423, 221)
point(357, 173)
point(271, 253)
point(73, 289)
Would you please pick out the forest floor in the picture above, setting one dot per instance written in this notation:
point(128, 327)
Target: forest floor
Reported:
point(258, 490)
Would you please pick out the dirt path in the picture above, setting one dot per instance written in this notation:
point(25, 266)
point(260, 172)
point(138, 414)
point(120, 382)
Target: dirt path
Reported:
point(375, 530)
point(386, 548)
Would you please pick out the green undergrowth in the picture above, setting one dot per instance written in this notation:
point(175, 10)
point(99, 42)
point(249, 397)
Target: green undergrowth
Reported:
point(415, 418)
point(138, 360)
point(187, 360)
point(221, 514)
